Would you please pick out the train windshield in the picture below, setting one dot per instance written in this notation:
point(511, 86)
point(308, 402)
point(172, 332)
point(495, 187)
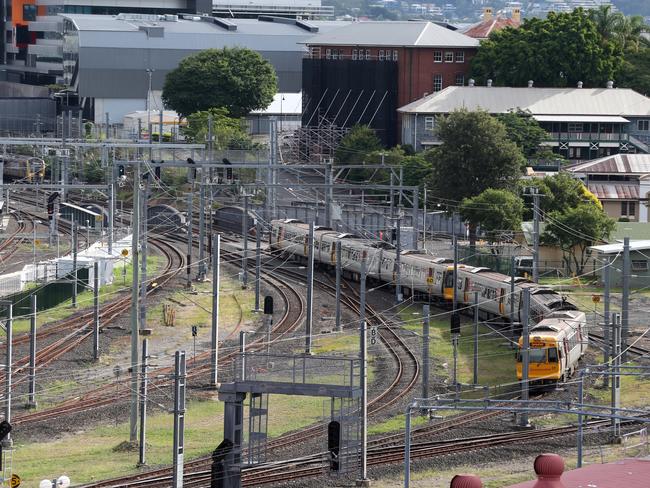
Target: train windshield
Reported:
point(537, 355)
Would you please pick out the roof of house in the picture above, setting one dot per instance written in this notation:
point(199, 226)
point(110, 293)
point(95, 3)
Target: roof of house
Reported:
point(483, 29)
point(633, 230)
point(393, 34)
point(539, 101)
point(614, 191)
point(615, 248)
point(618, 163)
point(628, 473)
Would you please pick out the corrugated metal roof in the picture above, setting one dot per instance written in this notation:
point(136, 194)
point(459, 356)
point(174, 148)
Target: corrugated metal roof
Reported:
point(614, 191)
point(618, 163)
point(414, 34)
point(615, 119)
point(539, 101)
point(629, 473)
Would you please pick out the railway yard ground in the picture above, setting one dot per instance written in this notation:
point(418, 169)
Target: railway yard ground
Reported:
point(90, 442)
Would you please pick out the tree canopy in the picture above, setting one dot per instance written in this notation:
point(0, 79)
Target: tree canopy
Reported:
point(557, 51)
point(358, 143)
point(498, 212)
point(523, 130)
point(475, 155)
point(226, 131)
point(237, 79)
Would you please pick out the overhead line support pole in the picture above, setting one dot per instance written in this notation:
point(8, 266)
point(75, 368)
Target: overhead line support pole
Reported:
point(31, 402)
point(135, 294)
point(310, 289)
point(214, 342)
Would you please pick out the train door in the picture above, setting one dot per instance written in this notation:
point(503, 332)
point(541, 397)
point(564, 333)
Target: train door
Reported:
point(467, 287)
point(502, 301)
point(430, 281)
point(333, 252)
point(448, 285)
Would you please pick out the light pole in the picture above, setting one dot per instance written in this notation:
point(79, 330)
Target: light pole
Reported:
point(34, 223)
point(87, 233)
point(150, 73)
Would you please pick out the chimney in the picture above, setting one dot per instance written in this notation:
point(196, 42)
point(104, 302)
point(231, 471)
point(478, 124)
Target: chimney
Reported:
point(489, 83)
point(610, 84)
point(471, 82)
point(466, 481)
point(487, 13)
point(549, 469)
point(516, 15)
point(530, 83)
point(580, 84)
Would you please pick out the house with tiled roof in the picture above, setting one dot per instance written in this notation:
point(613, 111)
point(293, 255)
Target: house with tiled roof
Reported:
point(490, 24)
point(621, 182)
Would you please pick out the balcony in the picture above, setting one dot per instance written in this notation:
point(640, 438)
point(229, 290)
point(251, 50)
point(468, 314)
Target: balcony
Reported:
point(588, 136)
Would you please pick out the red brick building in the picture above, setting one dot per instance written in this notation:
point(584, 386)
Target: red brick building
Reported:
point(426, 58)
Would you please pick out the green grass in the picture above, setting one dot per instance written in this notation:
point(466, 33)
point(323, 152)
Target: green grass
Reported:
point(91, 456)
point(85, 296)
point(396, 424)
point(496, 360)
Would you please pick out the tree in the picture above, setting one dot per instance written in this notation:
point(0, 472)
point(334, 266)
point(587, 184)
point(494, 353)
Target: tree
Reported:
point(557, 51)
point(636, 72)
point(475, 155)
point(237, 79)
point(523, 130)
point(357, 144)
point(227, 132)
point(498, 212)
point(575, 230)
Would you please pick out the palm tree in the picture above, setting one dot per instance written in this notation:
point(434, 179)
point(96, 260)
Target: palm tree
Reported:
point(629, 32)
point(606, 21)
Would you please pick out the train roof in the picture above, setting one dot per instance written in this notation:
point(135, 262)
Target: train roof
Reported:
point(77, 207)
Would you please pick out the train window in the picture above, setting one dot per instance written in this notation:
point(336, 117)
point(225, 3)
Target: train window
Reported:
point(552, 355)
point(537, 355)
point(449, 280)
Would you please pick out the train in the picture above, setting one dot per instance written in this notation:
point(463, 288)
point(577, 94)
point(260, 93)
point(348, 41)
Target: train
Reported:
point(556, 343)
point(19, 167)
point(433, 278)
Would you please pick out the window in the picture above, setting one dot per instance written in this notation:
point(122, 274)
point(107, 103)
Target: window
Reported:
point(643, 125)
point(460, 79)
point(449, 57)
point(395, 55)
point(355, 54)
point(381, 55)
point(639, 265)
point(437, 83)
point(460, 56)
point(328, 54)
point(335, 54)
point(428, 123)
point(628, 209)
point(367, 54)
point(29, 12)
point(552, 355)
point(575, 127)
point(536, 355)
point(437, 56)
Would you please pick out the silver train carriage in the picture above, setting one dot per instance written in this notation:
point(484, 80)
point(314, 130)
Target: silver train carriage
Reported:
point(20, 167)
point(419, 273)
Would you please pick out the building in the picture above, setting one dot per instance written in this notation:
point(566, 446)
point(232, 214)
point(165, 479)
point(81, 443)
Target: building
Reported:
point(621, 182)
point(300, 9)
point(110, 60)
point(31, 44)
point(639, 257)
point(361, 73)
point(490, 23)
point(583, 123)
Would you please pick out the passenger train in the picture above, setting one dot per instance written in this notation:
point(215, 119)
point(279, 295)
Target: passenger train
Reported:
point(422, 274)
point(17, 166)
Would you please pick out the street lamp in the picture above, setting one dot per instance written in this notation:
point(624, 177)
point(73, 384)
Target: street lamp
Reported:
point(150, 73)
point(87, 233)
point(34, 223)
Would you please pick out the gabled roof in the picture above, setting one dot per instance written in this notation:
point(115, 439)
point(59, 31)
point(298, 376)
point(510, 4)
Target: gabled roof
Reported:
point(484, 28)
point(393, 34)
point(619, 163)
point(614, 191)
point(539, 101)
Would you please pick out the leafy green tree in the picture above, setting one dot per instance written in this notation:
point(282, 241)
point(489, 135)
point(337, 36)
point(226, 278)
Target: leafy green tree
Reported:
point(497, 212)
point(237, 79)
point(357, 144)
point(575, 230)
point(227, 132)
point(475, 155)
point(557, 51)
point(636, 72)
point(523, 130)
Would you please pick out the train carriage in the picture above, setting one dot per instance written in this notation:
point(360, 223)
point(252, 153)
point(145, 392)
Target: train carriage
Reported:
point(21, 167)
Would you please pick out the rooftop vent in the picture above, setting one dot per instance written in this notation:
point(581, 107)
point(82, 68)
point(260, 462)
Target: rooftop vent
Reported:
point(530, 83)
point(610, 84)
point(471, 82)
point(489, 83)
point(580, 84)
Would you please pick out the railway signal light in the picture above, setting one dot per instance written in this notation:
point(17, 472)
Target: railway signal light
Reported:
point(228, 170)
point(156, 169)
point(268, 305)
point(191, 173)
point(5, 429)
point(334, 444)
point(120, 170)
point(195, 330)
point(455, 323)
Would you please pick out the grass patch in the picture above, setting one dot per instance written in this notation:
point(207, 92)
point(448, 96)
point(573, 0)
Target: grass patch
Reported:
point(91, 456)
point(496, 360)
point(396, 424)
point(107, 293)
